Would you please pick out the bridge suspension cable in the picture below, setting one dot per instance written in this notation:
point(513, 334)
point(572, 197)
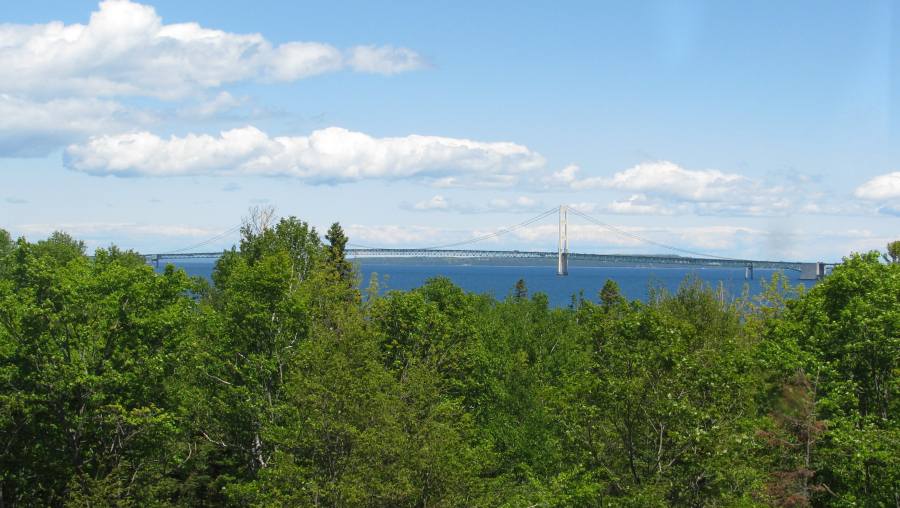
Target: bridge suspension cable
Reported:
point(495, 234)
point(642, 239)
point(208, 241)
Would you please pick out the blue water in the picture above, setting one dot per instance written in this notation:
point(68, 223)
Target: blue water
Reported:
point(499, 281)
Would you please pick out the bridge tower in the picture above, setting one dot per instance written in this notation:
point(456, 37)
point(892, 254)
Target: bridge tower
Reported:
point(562, 266)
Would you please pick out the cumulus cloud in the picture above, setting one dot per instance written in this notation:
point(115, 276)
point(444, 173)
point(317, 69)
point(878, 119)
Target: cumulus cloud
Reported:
point(880, 188)
point(566, 176)
point(29, 128)
point(329, 155)
point(666, 178)
point(484, 181)
point(638, 204)
point(663, 178)
point(298, 60)
point(126, 49)
point(664, 188)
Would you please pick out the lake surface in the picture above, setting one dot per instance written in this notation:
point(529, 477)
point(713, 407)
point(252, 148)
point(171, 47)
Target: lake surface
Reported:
point(499, 280)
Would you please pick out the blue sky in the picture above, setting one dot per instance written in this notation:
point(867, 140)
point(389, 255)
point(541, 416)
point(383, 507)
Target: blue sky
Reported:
point(742, 129)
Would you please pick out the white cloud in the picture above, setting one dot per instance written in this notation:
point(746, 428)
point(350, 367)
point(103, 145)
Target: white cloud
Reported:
point(880, 188)
point(437, 202)
point(485, 181)
point(664, 188)
point(126, 49)
point(326, 156)
point(384, 60)
point(667, 178)
point(565, 176)
point(662, 178)
point(638, 204)
point(298, 60)
point(29, 128)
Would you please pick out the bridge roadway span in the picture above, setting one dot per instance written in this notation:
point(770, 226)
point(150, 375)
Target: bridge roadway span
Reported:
point(631, 259)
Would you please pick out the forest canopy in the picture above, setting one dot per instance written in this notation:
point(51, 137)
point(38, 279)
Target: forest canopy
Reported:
point(278, 383)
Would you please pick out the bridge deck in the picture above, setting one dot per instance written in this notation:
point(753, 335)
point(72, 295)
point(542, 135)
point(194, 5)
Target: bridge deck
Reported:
point(638, 259)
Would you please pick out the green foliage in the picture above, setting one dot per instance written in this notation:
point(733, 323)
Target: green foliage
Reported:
point(6, 243)
point(60, 248)
point(334, 253)
point(277, 385)
point(893, 251)
point(86, 354)
point(665, 414)
point(6, 248)
point(610, 295)
point(846, 331)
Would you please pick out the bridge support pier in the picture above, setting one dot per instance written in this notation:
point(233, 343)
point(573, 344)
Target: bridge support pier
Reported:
point(562, 262)
point(748, 272)
point(812, 271)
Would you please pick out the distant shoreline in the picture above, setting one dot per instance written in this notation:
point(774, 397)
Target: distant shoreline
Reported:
point(430, 261)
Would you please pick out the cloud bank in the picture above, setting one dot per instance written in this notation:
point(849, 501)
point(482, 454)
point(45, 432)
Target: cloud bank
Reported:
point(880, 188)
point(665, 188)
point(663, 178)
point(29, 128)
point(329, 155)
point(126, 49)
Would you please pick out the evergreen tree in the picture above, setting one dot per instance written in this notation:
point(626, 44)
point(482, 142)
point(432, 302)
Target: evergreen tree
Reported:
point(6, 243)
point(335, 252)
point(610, 294)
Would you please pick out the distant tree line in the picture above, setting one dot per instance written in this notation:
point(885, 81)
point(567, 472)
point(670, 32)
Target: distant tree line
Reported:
point(279, 384)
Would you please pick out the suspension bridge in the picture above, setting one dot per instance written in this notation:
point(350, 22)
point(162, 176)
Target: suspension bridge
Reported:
point(678, 256)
